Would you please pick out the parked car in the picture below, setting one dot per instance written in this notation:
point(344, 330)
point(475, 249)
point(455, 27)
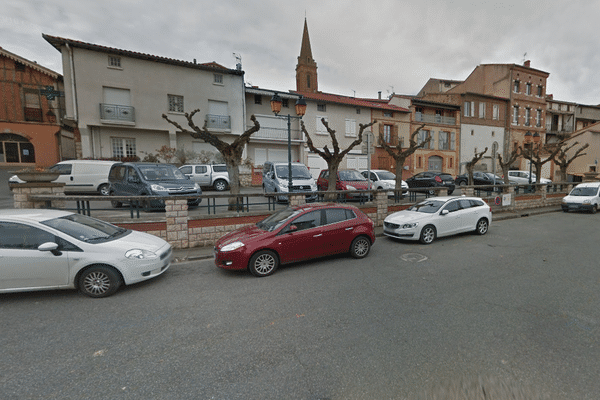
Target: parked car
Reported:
point(208, 175)
point(347, 179)
point(583, 197)
point(439, 216)
point(148, 179)
point(522, 178)
point(45, 249)
point(276, 179)
point(294, 234)
point(385, 180)
point(431, 179)
point(480, 179)
point(80, 176)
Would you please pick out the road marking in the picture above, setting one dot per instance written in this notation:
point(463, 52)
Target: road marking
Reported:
point(413, 257)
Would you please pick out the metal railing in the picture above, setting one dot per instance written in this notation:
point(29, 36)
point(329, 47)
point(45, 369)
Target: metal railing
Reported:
point(218, 121)
point(277, 133)
point(116, 112)
point(434, 119)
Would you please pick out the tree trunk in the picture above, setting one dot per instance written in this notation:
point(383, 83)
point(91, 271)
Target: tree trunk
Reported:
point(233, 169)
point(332, 181)
point(399, 169)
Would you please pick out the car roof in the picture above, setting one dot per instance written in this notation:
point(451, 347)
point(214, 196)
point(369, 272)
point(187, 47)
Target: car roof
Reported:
point(31, 214)
point(588, 184)
point(318, 206)
point(87, 162)
point(447, 198)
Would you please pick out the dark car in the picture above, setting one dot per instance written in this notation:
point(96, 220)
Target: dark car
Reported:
point(431, 179)
point(479, 178)
point(348, 179)
point(148, 179)
point(294, 234)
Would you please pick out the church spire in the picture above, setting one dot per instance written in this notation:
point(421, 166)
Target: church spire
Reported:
point(306, 69)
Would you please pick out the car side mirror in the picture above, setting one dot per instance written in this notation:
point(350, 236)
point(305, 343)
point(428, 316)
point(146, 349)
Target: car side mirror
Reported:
point(292, 228)
point(445, 212)
point(48, 246)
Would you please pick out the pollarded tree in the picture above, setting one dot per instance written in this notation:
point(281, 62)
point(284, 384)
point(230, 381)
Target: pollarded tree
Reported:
point(400, 155)
point(231, 152)
point(334, 158)
point(471, 164)
point(563, 160)
point(505, 165)
point(540, 155)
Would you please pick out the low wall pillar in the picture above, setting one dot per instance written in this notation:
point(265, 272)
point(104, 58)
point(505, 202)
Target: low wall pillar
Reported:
point(22, 191)
point(176, 213)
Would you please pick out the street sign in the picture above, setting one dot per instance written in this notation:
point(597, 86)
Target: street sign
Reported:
point(368, 146)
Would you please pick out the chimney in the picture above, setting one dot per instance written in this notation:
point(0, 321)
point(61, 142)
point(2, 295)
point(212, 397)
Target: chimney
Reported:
point(194, 61)
point(527, 64)
point(379, 95)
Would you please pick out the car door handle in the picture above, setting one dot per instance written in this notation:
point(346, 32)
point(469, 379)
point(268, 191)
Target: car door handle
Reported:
point(349, 229)
point(320, 234)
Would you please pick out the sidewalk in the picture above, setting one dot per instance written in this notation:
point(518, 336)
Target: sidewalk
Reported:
point(202, 253)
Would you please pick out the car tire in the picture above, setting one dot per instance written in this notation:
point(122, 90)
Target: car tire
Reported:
point(462, 183)
point(263, 263)
point(428, 234)
point(360, 247)
point(115, 203)
point(594, 208)
point(99, 281)
point(103, 189)
point(482, 226)
point(220, 185)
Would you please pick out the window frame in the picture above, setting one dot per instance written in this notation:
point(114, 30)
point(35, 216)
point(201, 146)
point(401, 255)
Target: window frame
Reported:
point(175, 104)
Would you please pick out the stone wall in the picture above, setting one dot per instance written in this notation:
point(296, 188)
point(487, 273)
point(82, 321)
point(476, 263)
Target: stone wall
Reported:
point(22, 191)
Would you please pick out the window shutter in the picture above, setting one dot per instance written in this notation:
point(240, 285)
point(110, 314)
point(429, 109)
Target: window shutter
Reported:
point(472, 109)
point(452, 138)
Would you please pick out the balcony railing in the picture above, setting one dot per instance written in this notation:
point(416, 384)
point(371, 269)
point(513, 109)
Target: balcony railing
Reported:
point(434, 119)
point(116, 112)
point(276, 133)
point(554, 128)
point(218, 121)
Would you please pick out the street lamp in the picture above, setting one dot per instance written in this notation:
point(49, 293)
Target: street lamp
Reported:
point(300, 111)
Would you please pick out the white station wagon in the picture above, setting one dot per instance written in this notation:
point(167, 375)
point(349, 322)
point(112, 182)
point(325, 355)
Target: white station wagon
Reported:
point(439, 216)
point(54, 249)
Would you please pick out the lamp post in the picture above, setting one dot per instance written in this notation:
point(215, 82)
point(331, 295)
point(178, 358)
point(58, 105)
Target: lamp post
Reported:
point(300, 111)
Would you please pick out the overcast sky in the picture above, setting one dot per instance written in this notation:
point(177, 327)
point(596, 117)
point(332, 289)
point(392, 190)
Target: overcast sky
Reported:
point(361, 47)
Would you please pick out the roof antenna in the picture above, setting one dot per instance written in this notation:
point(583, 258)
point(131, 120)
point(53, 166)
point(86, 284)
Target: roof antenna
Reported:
point(238, 61)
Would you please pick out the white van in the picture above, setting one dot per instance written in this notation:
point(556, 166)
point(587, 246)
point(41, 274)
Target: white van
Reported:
point(80, 176)
point(275, 179)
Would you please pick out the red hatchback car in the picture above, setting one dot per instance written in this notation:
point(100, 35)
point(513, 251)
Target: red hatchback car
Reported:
point(294, 234)
point(348, 179)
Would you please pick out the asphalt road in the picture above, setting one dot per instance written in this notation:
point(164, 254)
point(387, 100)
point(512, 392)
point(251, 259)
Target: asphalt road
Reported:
point(515, 311)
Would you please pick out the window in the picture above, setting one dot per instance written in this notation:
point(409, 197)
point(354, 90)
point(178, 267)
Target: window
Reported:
point(388, 114)
point(321, 107)
point(333, 215)
point(23, 237)
point(308, 220)
point(218, 79)
point(123, 147)
point(175, 103)
point(515, 118)
point(387, 133)
point(493, 133)
point(538, 118)
point(469, 108)
point(528, 89)
point(114, 62)
point(285, 103)
point(495, 112)
point(257, 99)
point(33, 108)
point(527, 116)
point(201, 169)
point(308, 81)
point(422, 136)
point(321, 130)
point(450, 163)
point(350, 127)
point(444, 141)
point(540, 91)
point(472, 132)
point(358, 110)
point(516, 86)
point(419, 162)
point(481, 110)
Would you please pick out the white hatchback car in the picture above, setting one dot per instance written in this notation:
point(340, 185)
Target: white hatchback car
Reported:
point(439, 216)
point(53, 249)
point(522, 178)
point(386, 180)
point(583, 197)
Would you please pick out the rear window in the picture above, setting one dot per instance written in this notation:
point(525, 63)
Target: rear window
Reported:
point(220, 168)
point(117, 173)
point(63, 169)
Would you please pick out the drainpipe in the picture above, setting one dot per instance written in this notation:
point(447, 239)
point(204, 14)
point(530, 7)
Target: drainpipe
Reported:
point(73, 92)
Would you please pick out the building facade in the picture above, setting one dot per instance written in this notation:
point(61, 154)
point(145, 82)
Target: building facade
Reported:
point(31, 110)
point(116, 98)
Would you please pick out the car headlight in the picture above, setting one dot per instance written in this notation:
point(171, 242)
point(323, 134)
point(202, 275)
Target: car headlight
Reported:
point(283, 183)
point(348, 187)
point(232, 246)
point(587, 201)
point(140, 254)
point(196, 186)
point(409, 226)
point(158, 188)
point(564, 200)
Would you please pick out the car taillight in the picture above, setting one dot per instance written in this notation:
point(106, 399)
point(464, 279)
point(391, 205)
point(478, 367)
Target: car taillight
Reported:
point(438, 179)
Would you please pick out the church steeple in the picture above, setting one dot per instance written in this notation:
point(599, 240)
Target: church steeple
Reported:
point(306, 69)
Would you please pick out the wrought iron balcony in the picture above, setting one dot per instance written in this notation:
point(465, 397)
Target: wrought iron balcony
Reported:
point(218, 121)
point(116, 112)
point(434, 119)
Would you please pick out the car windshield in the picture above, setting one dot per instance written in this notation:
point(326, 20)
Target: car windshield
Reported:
point(86, 229)
point(161, 173)
point(584, 191)
point(277, 219)
point(298, 172)
point(351, 175)
point(427, 206)
point(446, 177)
point(492, 176)
point(386, 176)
